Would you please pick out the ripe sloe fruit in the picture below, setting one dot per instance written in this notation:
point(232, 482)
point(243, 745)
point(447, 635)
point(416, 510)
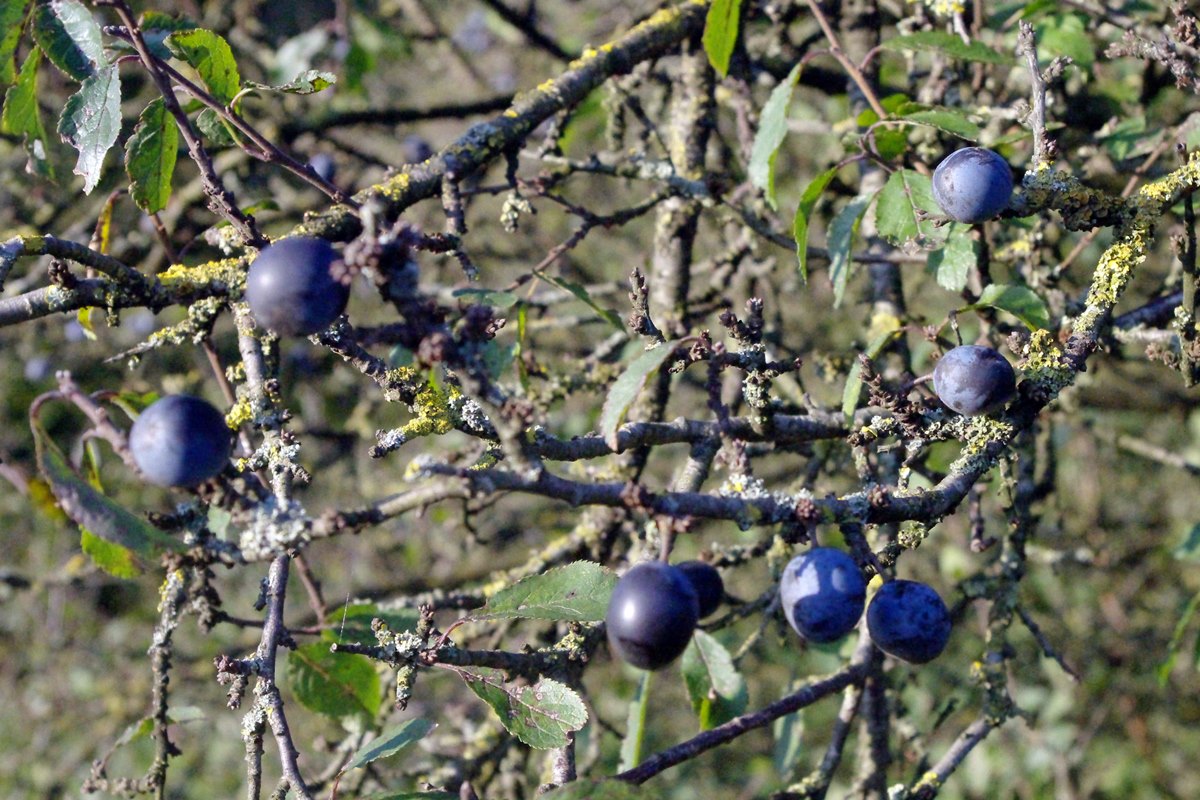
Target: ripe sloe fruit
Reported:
point(710, 589)
point(908, 620)
point(972, 184)
point(180, 440)
point(974, 380)
point(651, 615)
point(822, 592)
point(324, 165)
point(291, 289)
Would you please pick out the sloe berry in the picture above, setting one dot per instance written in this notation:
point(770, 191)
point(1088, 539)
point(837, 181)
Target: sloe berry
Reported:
point(180, 440)
point(822, 592)
point(291, 289)
point(972, 184)
point(651, 615)
point(710, 589)
point(908, 620)
point(974, 380)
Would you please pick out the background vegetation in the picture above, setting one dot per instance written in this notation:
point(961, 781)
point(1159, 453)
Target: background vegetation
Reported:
point(484, 158)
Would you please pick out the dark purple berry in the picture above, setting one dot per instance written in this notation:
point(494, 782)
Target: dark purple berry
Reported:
point(974, 380)
point(291, 288)
point(908, 620)
point(180, 441)
point(324, 165)
point(710, 589)
point(651, 615)
point(822, 592)
point(972, 184)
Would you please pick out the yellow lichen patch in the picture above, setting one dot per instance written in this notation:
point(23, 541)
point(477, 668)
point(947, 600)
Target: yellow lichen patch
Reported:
point(1113, 273)
point(170, 586)
point(240, 414)
point(983, 430)
point(1044, 363)
point(930, 780)
point(1165, 189)
point(488, 460)
point(227, 272)
point(433, 406)
point(395, 188)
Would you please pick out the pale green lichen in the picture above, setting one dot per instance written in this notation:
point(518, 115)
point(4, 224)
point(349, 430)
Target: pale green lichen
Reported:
point(911, 535)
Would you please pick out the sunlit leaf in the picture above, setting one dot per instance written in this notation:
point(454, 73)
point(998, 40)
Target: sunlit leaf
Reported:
point(540, 715)
point(577, 592)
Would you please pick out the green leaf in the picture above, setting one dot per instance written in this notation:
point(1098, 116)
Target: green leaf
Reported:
point(889, 142)
point(581, 293)
point(789, 740)
point(23, 117)
point(627, 387)
point(1065, 35)
point(611, 317)
point(150, 157)
point(1019, 301)
point(354, 622)
point(12, 20)
point(391, 741)
point(772, 128)
point(716, 688)
point(211, 57)
point(540, 715)
point(721, 32)
point(90, 509)
point(953, 262)
point(333, 684)
point(70, 36)
point(118, 561)
point(145, 726)
point(1164, 669)
point(808, 201)
point(602, 790)
point(90, 122)
point(497, 357)
point(156, 27)
point(948, 45)
point(1189, 548)
point(945, 119)
point(840, 242)
point(906, 209)
point(308, 82)
point(214, 128)
point(1128, 138)
point(635, 724)
point(488, 297)
point(577, 592)
point(853, 388)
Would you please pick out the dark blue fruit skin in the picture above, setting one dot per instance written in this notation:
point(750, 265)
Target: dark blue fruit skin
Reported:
point(324, 165)
point(972, 184)
point(974, 380)
point(290, 288)
point(651, 615)
point(710, 589)
point(822, 592)
point(908, 620)
point(180, 440)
